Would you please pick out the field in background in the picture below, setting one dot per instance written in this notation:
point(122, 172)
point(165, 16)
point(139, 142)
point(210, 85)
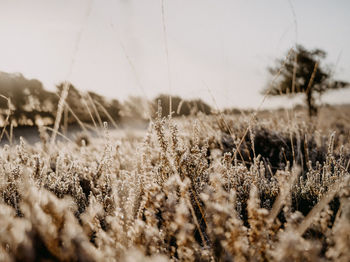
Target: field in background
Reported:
point(330, 118)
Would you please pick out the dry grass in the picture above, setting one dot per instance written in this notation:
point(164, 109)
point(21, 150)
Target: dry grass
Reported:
point(181, 193)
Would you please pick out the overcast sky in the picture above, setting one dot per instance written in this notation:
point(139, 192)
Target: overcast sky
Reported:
point(218, 49)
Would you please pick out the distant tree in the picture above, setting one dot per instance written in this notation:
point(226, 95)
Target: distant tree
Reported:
point(105, 108)
point(182, 107)
point(84, 104)
point(198, 105)
point(29, 101)
point(177, 105)
point(75, 102)
point(136, 107)
point(306, 76)
point(28, 97)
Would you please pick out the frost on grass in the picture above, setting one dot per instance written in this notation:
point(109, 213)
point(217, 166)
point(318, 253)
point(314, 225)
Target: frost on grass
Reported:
point(204, 189)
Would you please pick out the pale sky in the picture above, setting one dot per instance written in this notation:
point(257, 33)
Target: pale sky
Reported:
point(218, 49)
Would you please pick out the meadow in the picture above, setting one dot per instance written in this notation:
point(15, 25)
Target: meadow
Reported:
point(270, 186)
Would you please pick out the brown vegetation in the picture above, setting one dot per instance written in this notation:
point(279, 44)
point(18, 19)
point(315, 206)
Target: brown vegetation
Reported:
point(180, 193)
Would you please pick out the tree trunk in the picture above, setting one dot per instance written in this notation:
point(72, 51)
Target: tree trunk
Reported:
point(311, 104)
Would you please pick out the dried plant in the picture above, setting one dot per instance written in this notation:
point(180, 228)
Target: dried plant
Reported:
point(189, 189)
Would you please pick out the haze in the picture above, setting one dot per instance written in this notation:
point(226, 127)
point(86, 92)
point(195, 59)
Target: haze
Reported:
point(218, 50)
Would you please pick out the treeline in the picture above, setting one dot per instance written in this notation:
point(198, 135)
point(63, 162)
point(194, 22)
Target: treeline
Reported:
point(26, 102)
point(182, 107)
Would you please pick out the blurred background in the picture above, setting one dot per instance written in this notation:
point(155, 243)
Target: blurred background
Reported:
point(217, 51)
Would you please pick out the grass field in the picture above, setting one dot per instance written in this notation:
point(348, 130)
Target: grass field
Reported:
point(273, 187)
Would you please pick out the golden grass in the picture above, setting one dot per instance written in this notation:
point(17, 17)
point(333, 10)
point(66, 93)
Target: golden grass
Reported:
point(176, 193)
